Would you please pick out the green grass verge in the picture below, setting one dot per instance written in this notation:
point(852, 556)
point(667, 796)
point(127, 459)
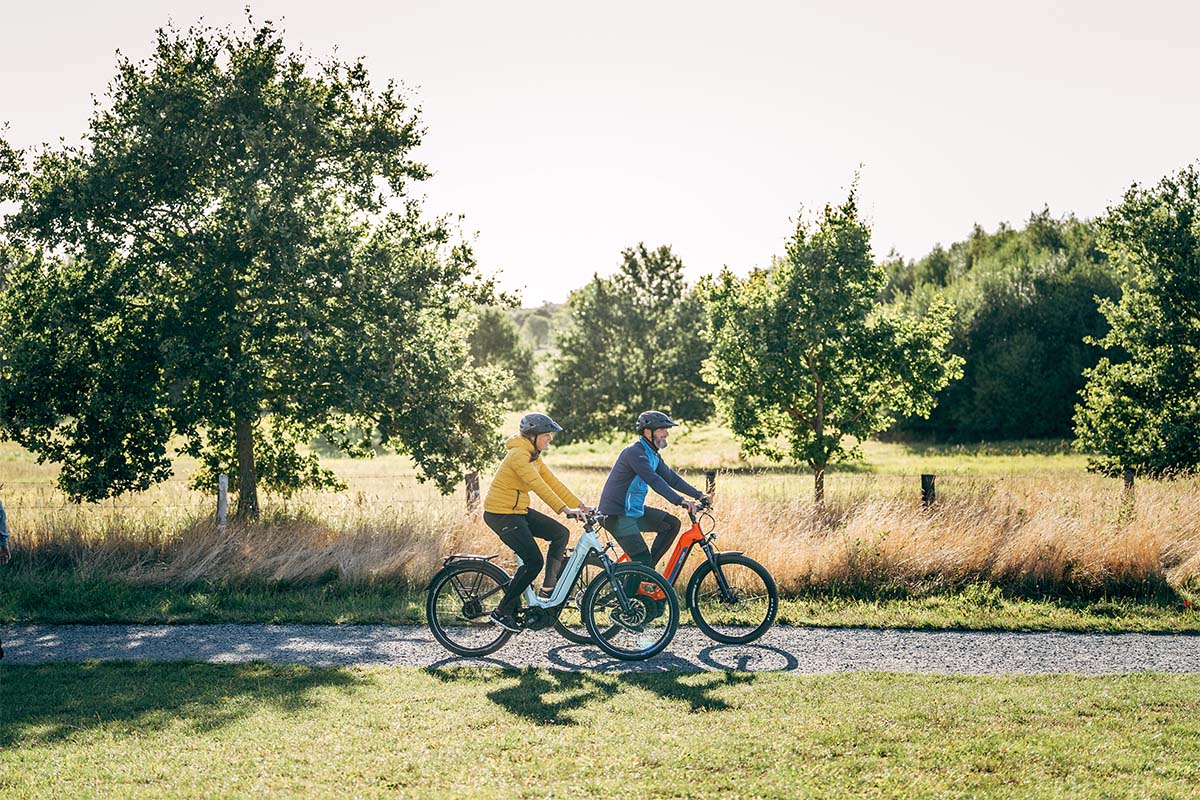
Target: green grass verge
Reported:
point(184, 730)
point(59, 596)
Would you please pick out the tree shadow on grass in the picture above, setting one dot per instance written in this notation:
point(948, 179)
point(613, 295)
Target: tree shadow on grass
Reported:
point(551, 697)
point(50, 702)
point(695, 689)
point(541, 696)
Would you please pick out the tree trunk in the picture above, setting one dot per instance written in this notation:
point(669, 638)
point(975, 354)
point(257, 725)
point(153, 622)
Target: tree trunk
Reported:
point(247, 507)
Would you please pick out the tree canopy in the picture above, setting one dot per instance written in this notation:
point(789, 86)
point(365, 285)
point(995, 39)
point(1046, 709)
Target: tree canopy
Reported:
point(635, 341)
point(804, 351)
point(1025, 306)
point(496, 341)
point(1140, 408)
point(232, 257)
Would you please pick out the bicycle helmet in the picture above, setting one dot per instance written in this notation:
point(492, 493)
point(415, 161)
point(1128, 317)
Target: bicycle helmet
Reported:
point(654, 420)
point(535, 424)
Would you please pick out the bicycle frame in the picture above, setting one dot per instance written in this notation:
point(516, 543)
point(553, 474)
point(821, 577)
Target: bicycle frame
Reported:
point(683, 547)
point(588, 543)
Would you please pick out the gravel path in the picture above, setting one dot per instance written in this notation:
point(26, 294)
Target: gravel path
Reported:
point(782, 648)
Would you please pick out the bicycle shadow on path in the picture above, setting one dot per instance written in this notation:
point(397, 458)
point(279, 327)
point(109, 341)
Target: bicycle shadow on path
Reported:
point(46, 703)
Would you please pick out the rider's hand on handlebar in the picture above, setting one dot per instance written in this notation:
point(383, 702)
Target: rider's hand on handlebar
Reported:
point(577, 513)
point(690, 505)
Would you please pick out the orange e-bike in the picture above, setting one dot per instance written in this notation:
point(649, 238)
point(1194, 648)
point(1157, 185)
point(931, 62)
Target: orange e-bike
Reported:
point(732, 597)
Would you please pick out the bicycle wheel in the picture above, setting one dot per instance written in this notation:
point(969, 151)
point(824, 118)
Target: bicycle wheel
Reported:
point(646, 627)
point(458, 603)
point(746, 612)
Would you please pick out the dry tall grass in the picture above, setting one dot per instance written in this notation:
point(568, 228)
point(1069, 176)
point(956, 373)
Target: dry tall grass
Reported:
point(1067, 536)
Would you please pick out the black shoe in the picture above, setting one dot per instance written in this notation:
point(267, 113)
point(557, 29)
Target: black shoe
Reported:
point(545, 593)
point(504, 621)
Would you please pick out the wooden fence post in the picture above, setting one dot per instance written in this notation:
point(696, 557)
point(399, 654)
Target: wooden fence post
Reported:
point(710, 481)
point(472, 492)
point(928, 490)
point(222, 502)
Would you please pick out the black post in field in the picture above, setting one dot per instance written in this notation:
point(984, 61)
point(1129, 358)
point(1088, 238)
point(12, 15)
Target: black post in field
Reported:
point(928, 490)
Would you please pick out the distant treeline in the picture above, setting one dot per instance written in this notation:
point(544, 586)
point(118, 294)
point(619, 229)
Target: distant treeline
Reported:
point(1025, 306)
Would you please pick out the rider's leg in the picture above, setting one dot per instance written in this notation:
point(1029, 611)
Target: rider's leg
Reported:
point(666, 528)
point(628, 534)
point(553, 531)
point(513, 530)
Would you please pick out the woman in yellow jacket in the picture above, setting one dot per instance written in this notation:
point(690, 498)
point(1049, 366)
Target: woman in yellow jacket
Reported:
point(506, 511)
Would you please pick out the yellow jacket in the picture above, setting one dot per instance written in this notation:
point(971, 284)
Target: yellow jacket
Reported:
point(518, 476)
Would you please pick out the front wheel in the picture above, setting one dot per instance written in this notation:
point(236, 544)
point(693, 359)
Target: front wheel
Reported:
point(644, 626)
point(742, 609)
point(460, 599)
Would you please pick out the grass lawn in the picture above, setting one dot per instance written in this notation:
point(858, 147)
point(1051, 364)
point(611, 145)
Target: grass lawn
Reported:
point(175, 730)
point(60, 596)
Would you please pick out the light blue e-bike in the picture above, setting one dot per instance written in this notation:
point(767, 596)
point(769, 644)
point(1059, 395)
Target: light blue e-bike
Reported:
point(633, 606)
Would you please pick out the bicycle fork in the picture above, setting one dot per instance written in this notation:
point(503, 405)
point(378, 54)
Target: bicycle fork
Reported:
point(618, 585)
point(727, 595)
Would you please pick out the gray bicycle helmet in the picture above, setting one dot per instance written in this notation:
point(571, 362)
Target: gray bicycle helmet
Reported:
point(654, 420)
point(534, 424)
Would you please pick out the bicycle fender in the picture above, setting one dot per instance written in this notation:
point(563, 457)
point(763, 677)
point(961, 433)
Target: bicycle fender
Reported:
point(467, 557)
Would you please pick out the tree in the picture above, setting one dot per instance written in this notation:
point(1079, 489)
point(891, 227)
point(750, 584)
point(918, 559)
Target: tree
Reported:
point(635, 342)
point(806, 352)
point(1025, 304)
point(1140, 407)
point(495, 340)
point(231, 258)
point(537, 329)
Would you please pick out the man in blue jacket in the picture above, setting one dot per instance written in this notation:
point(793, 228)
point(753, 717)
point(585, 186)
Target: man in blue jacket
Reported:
point(640, 468)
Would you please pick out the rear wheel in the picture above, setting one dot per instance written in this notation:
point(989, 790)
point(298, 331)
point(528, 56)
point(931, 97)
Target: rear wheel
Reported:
point(644, 626)
point(740, 611)
point(458, 603)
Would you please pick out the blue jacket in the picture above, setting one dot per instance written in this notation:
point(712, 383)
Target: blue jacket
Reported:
point(3, 527)
point(639, 468)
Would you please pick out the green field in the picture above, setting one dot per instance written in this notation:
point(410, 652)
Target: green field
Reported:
point(178, 730)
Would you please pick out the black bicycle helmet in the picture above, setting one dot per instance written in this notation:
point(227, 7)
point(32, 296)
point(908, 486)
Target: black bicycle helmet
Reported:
point(535, 424)
point(654, 420)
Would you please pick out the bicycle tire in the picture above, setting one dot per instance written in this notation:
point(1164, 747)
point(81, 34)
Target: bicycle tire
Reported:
point(593, 606)
point(476, 618)
point(763, 590)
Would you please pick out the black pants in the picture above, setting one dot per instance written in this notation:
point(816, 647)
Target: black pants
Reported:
point(628, 533)
point(517, 531)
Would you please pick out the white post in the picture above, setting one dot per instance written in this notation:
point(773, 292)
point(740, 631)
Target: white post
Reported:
point(222, 501)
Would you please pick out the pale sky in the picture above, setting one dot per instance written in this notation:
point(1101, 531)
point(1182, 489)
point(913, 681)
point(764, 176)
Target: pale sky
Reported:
point(564, 132)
